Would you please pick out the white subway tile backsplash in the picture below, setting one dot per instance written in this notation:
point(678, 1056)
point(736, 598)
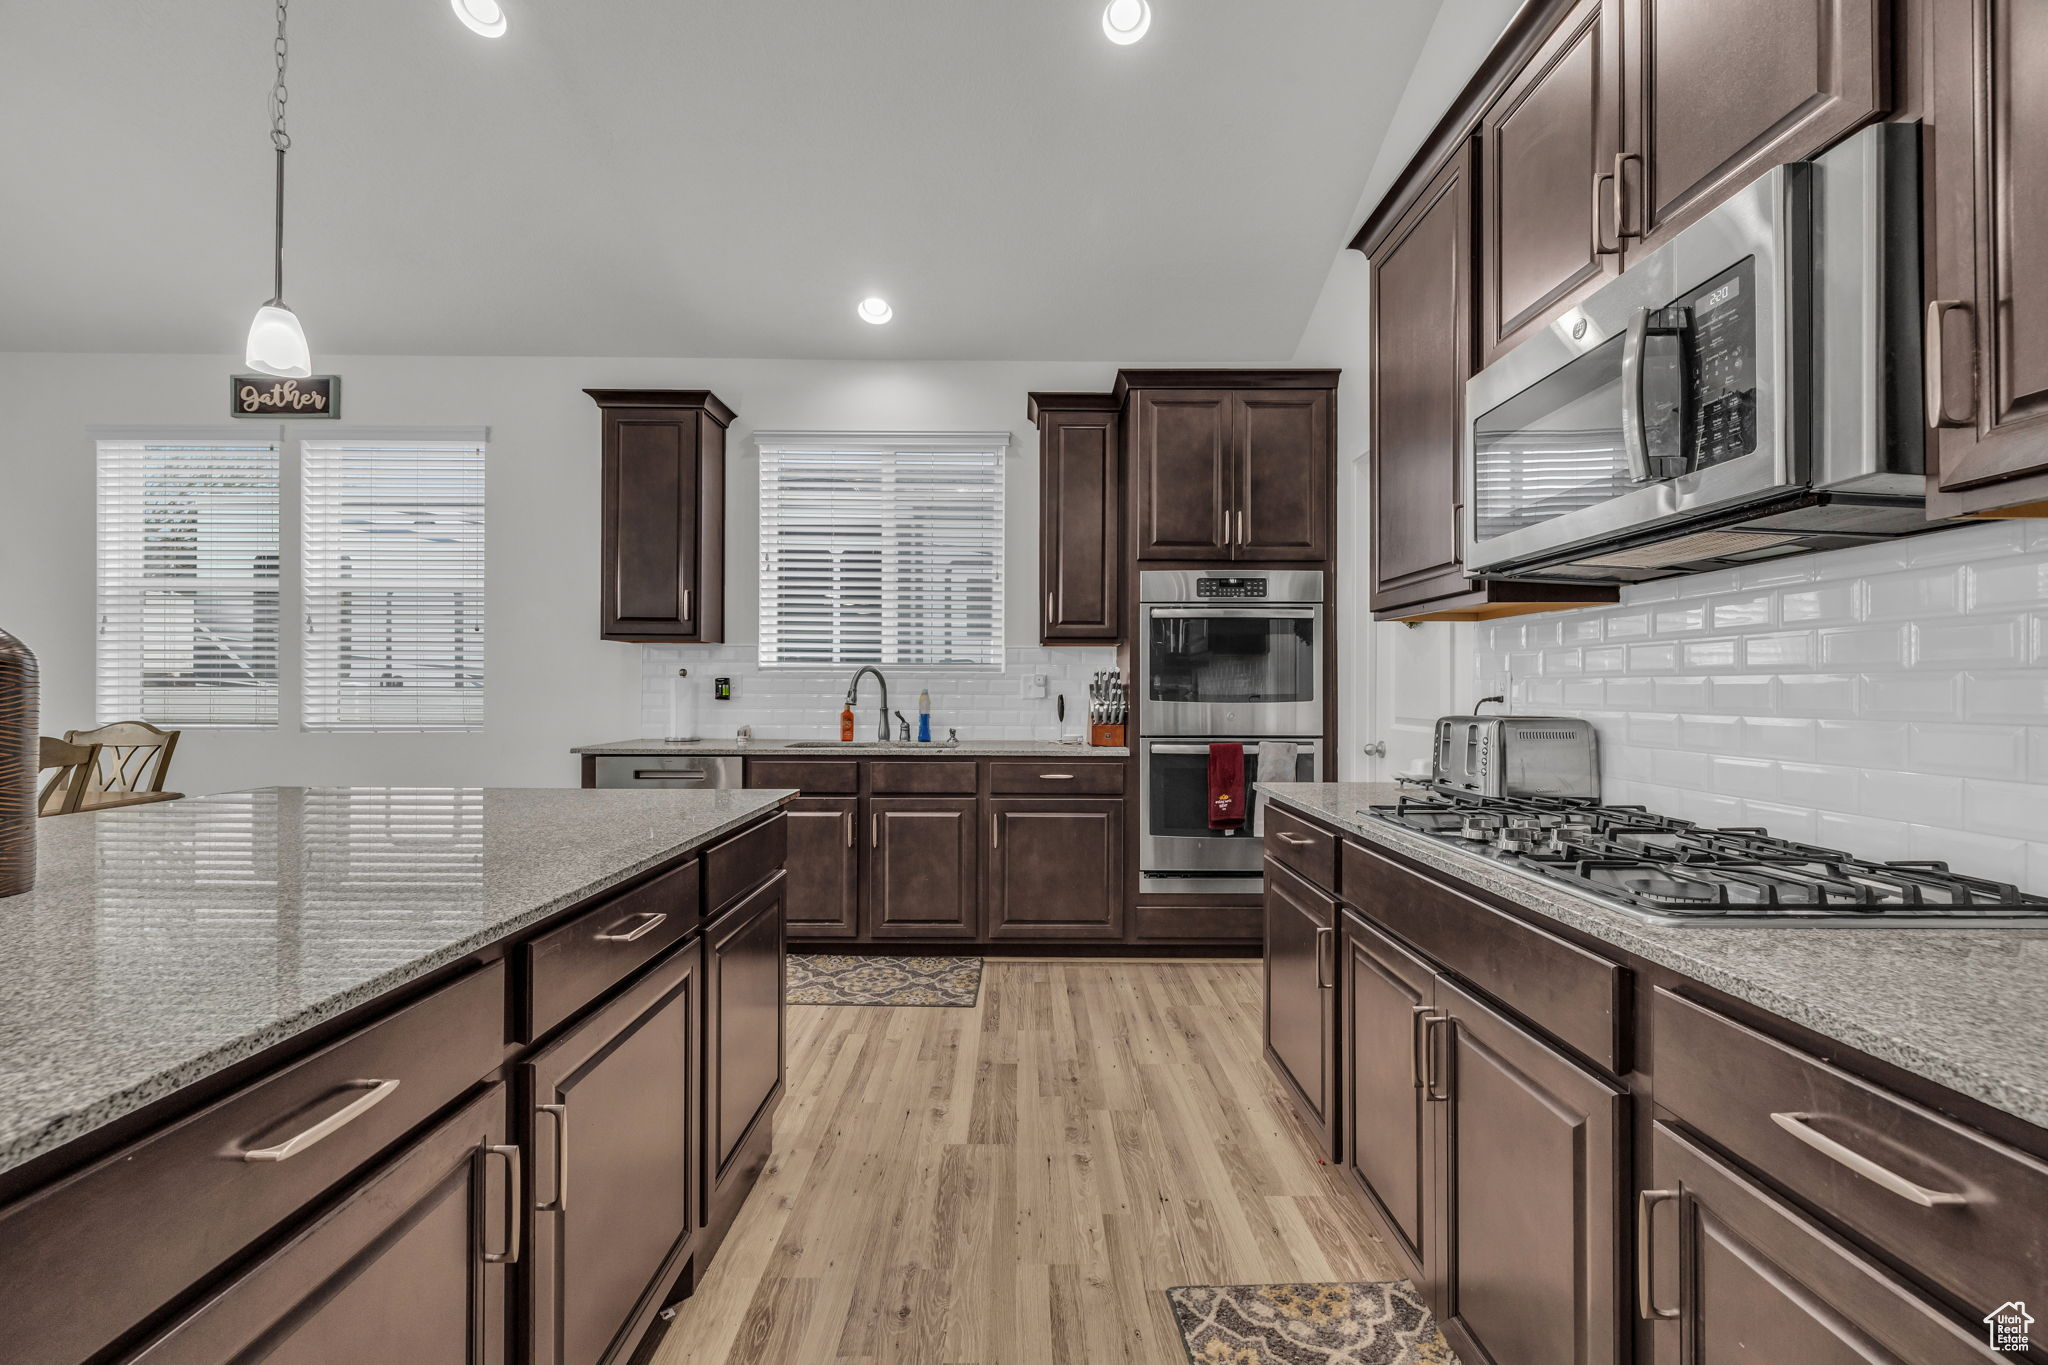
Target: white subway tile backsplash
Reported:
point(1860, 744)
point(1817, 786)
point(1738, 613)
point(1786, 822)
point(1994, 751)
point(1831, 604)
point(2019, 583)
point(1978, 855)
point(1627, 625)
point(1859, 834)
point(1779, 737)
point(1906, 596)
point(2017, 809)
point(1709, 655)
point(1681, 694)
point(1906, 696)
point(1879, 647)
point(1711, 734)
point(1605, 659)
point(1817, 694)
point(1684, 620)
point(2037, 748)
point(1910, 796)
point(1779, 650)
point(1652, 658)
point(1654, 731)
point(1994, 641)
point(1745, 777)
point(1749, 695)
point(2019, 697)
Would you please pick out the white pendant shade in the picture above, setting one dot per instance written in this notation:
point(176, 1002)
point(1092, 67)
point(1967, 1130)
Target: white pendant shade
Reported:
point(277, 344)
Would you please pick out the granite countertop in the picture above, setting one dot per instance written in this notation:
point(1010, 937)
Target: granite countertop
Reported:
point(795, 748)
point(1964, 1008)
point(164, 942)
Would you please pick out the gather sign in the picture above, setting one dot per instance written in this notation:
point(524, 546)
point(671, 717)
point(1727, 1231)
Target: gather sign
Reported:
point(262, 395)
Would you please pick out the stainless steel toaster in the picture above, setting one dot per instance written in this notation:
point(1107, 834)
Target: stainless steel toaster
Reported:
point(1517, 756)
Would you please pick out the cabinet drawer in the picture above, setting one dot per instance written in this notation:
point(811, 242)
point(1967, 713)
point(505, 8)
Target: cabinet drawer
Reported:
point(173, 1207)
point(1308, 849)
point(568, 967)
point(743, 862)
point(924, 777)
point(832, 777)
point(1809, 1126)
point(1560, 987)
point(1056, 777)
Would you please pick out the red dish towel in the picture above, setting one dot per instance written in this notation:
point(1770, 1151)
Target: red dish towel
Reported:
point(1226, 786)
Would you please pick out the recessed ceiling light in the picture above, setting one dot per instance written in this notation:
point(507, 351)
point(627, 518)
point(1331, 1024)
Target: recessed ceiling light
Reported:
point(481, 16)
point(876, 311)
point(1125, 21)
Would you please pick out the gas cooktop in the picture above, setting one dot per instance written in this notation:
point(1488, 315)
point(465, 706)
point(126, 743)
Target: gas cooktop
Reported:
point(1668, 871)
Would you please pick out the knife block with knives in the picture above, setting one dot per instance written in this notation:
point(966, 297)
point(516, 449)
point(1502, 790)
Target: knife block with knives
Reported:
point(1108, 709)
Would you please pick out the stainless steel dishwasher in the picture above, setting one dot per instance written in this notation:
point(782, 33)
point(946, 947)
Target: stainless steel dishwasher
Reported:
point(671, 772)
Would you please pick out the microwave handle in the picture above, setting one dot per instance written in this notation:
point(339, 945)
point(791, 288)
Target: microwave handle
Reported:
point(1206, 613)
point(1634, 438)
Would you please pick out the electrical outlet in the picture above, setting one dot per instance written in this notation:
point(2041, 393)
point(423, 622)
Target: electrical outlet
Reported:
point(1034, 685)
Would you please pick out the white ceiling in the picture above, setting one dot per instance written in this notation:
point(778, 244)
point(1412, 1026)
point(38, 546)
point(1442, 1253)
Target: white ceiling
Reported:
point(692, 177)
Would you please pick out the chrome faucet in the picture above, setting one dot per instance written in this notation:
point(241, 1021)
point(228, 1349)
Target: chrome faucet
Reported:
point(853, 698)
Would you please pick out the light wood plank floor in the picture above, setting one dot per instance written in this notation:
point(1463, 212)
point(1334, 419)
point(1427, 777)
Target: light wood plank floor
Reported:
point(1015, 1183)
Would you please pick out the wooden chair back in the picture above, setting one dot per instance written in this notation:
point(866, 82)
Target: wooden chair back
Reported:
point(133, 756)
point(70, 767)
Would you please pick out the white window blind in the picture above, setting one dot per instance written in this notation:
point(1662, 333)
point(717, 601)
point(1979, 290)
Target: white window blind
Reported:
point(394, 584)
point(880, 550)
point(188, 582)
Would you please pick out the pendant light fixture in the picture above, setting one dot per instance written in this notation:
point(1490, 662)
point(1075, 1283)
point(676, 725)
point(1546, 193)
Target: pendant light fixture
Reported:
point(277, 343)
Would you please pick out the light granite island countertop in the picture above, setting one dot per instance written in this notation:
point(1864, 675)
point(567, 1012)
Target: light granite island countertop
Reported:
point(857, 748)
point(1964, 1008)
point(165, 942)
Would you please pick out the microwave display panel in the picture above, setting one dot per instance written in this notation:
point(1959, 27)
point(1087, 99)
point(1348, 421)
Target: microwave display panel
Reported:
point(1723, 369)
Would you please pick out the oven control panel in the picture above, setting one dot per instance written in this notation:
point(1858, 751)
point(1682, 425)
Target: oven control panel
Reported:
point(1230, 587)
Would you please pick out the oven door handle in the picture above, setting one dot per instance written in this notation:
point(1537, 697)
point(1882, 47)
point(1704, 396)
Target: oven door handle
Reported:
point(1301, 746)
point(1248, 613)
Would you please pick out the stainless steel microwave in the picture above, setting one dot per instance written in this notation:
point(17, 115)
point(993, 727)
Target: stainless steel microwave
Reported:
point(1747, 391)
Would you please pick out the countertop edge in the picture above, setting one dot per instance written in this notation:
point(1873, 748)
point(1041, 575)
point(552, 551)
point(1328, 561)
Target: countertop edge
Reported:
point(802, 749)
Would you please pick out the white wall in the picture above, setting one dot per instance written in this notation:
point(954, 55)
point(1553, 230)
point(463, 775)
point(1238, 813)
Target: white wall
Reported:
point(552, 683)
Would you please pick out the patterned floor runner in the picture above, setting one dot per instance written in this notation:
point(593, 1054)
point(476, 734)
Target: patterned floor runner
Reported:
point(1308, 1324)
point(841, 979)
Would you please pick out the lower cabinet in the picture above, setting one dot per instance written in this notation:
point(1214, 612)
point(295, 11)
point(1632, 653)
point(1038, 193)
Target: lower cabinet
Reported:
point(1301, 996)
point(1056, 869)
point(1731, 1274)
point(409, 1265)
point(824, 867)
point(1530, 1187)
point(1387, 1122)
point(923, 867)
point(614, 1192)
point(743, 1051)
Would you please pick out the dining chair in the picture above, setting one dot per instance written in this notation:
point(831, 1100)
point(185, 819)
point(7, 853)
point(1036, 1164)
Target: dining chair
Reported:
point(133, 758)
point(72, 765)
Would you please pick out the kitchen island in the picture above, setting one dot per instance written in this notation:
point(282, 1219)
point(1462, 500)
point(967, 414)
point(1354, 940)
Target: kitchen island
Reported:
point(266, 1056)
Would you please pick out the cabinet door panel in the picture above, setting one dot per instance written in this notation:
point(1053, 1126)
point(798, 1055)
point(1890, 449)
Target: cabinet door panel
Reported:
point(1181, 473)
point(1301, 996)
point(1285, 459)
point(743, 987)
point(1421, 358)
point(651, 511)
point(824, 867)
point(1752, 1280)
point(1056, 869)
point(1723, 90)
point(923, 867)
point(1387, 1122)
point(1531, 1192)
point(1547, 152)
point(1081, 511)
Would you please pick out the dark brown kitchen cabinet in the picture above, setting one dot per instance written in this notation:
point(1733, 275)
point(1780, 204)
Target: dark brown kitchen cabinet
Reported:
point(1181, 473)
point(410, 1265)
point(1080, 510)
point(1056, 868)
point(1301, 998)
point(923, 867)
point(1720, 91)
point(1531, 1190)
point(824, 867)
point(1387, 1122)
point(613, 1118)
point(1987, 320)
point(663, 510)
point(743, 1050)
point(1734, 1275)
point(1286, 466)
point(1547, 207)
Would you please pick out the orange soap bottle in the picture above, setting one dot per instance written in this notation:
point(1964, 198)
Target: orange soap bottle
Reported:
point(846, 726)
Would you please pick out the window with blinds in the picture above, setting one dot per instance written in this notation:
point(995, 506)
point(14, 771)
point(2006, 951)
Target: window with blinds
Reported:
point(882, 550)
point(394, 584)
point(188, 583)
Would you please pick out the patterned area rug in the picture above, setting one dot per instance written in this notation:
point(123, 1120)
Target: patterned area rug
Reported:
point(1308, 1324)
point(840, 979)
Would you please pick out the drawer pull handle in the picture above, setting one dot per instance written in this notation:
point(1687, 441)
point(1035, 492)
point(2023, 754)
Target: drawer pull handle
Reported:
point(374, 1094)
point(1800, 1126)
point(655, 919)
point(1294, 839)
point(515, 1211)
point(1646, 1293)
point(668, 775)
point(560, 1114)
point(1055, 777)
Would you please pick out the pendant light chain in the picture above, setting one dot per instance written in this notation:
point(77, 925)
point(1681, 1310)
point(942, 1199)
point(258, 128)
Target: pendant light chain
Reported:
point(282, 141)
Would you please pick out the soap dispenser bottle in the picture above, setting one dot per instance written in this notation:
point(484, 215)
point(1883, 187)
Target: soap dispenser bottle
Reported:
point(924, 716)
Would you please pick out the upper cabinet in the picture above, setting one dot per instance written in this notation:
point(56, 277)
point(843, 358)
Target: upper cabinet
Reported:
point(1987, 314)
point(1720, 91)
point(664, 515)
point(1231, 465)
point(1080, 542)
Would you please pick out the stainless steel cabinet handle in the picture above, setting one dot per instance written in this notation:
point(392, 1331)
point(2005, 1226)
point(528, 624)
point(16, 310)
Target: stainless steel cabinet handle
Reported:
point(1056, 777)
point(1322, 981)
point(560, 1114)
point(1429, 1058)
point(1241, 540)
point(1800, 1126)
point(1048, 609)
point(1416, 1014)
point(847, 819)
point(515, 1205)
point(1646, 1297)
point(1294, 839)
point(686, 604)
point(375, 1093)
point(874, 831)
point(1937, 373)
point(1600, 247)
point(995, 830)
point(655, 919)
point(1621, 196)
